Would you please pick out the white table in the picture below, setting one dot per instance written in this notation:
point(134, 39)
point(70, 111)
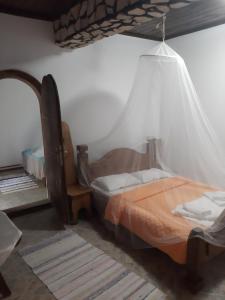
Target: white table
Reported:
point(9, 237)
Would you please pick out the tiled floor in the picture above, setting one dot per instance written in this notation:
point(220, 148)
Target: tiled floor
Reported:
point(148, 263)
point(23, 199)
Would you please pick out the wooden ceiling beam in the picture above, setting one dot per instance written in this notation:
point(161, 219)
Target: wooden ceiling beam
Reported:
point(198, 16)
point(177, 34)
point(142, 36)
point(197, 28)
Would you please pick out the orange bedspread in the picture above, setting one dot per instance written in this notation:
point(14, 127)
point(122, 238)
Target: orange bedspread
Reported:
point(146, 212)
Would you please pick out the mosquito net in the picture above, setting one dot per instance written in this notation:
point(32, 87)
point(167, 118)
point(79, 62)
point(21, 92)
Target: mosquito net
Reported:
point(181, 173)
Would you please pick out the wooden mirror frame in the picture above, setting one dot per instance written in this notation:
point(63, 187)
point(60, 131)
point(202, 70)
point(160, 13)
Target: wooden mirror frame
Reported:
point(24, 77)
point(36, 86)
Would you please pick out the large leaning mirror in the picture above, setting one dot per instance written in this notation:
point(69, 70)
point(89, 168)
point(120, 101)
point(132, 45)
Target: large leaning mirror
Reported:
point(40, 160)
point(22, 174)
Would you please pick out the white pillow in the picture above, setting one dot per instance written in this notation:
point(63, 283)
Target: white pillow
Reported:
point(114, 182)
point(151, 175)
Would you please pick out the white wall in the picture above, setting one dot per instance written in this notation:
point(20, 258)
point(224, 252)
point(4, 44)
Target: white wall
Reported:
point(93, 82)
point(204, 54)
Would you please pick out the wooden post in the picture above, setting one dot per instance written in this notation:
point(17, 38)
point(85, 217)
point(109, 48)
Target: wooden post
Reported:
point(193, 280)
point(69, 163)
point(82, 165)
point(151, 152)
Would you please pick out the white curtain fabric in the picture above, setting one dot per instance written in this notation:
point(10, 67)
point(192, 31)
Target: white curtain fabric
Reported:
point(164, 104)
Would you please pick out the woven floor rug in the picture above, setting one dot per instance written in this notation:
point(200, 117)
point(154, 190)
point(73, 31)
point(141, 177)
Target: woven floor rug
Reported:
point(72, 268)
point(17, 184)
point(12, 175)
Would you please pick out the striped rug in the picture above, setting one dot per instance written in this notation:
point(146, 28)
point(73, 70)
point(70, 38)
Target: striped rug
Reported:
point(73, 269)
point(12, 175)
point(12, 185)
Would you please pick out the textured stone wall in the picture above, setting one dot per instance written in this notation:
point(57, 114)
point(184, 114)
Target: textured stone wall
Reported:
point(92, 20)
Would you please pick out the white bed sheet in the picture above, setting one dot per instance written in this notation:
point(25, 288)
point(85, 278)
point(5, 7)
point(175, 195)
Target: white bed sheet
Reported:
point(34, 164)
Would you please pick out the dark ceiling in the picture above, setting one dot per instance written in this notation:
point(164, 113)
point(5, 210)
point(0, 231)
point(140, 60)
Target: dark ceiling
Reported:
point(197, 16)
point(38, 9)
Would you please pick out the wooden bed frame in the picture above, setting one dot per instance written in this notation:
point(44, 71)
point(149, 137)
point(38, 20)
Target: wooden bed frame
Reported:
point(198, 249)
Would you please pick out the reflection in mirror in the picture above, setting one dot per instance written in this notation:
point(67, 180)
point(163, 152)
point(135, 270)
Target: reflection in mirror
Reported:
point(22, 176)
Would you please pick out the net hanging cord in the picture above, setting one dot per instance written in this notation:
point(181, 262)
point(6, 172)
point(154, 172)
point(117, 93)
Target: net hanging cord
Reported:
point(162, 27)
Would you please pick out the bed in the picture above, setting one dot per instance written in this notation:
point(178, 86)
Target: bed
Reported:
point(128, 209)
point(145, 210)
point(33, 162)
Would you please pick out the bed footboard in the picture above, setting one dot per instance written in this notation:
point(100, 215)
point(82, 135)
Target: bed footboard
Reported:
point(195, 245)
point(199, 251)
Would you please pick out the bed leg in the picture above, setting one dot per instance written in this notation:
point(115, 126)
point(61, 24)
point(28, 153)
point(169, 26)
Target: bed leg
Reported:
point(4, 290)
point(193, 281)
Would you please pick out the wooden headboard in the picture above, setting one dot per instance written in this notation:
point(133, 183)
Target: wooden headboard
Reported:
point(120, 160)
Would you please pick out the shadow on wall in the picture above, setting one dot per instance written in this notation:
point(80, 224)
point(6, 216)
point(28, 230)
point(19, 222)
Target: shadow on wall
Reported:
point(91, 116)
